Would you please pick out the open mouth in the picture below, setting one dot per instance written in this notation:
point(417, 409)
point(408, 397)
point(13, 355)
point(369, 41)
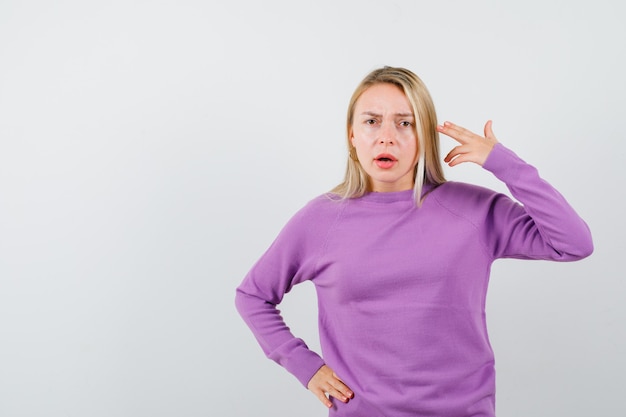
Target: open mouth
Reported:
point(386, 158)
point(385, 161)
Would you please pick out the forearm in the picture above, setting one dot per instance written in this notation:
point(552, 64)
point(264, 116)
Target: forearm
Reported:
point(275, 338)
point(557, 223)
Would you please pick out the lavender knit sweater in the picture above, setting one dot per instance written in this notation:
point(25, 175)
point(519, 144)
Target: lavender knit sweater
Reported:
point(401, 290)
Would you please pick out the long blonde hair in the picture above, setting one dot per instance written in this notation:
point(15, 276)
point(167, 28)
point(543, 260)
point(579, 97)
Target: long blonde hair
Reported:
point(428, 169)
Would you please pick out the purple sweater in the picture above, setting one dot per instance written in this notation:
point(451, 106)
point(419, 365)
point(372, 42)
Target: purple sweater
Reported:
point(401, 290)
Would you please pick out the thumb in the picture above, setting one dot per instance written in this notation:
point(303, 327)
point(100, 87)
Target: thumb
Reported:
point(488, 130)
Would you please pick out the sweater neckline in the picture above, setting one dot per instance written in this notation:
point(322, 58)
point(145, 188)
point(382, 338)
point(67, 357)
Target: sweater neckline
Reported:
point(393, 196)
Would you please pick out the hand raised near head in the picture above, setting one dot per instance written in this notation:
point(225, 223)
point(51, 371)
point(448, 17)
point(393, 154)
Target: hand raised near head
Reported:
point(472, 148)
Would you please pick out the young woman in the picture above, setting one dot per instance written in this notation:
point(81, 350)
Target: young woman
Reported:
point(400, 260)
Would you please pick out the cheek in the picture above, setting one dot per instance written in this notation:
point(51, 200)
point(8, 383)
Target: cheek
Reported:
point(363, 137)
point(410, 149)
point(359, 138)
point(408, 141)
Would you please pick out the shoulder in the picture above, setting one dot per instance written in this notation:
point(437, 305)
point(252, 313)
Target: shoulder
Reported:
point(469, 201)
point(453, 193)
point(318, 213)
point(322, 205)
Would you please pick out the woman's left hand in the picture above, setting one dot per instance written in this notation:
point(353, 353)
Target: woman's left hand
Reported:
point(472, 148)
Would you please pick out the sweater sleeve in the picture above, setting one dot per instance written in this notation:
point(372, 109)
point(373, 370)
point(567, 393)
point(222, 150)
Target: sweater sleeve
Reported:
point(545, 226)
point(288, 261)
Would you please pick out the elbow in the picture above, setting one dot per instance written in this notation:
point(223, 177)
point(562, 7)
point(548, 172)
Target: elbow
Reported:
point(241, 302)
point(586, 249)
point(579, 253)
point(584, 246)
point(249, 304)
point(586, 243)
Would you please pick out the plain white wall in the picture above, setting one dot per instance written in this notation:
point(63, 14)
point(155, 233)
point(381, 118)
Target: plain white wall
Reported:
point(150, 151)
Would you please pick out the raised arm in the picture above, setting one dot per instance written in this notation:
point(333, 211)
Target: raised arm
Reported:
point(545, 227)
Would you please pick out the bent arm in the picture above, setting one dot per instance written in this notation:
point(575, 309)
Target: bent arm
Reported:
point(545, 227)
point(275, 338)
point(289, 261)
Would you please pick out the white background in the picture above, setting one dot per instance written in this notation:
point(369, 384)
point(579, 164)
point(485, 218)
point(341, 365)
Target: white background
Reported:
point(150, 151)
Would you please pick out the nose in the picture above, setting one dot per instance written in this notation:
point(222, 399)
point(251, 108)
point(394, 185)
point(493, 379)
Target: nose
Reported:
point(387, 134)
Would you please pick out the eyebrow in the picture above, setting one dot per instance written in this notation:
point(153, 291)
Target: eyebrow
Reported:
point(371, 113)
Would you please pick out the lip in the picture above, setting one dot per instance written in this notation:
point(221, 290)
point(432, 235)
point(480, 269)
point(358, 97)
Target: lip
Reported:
point(386, 156)
point(385, 161)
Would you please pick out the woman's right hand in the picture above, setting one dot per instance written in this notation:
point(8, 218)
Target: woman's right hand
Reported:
point(325, 381)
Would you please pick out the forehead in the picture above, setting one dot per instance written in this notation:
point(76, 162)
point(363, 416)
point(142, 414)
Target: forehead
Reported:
point(383, 97)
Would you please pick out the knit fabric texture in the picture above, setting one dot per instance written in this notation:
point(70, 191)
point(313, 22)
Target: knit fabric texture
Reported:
point(401, 289)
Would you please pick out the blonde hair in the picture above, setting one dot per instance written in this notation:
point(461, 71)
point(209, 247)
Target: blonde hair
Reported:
point(428, 168)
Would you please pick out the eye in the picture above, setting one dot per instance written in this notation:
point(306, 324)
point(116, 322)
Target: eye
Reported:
point(370, 121)
point(406, 124)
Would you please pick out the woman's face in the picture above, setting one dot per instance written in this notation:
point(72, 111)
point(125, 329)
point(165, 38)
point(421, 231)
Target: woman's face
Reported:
point(383, 133)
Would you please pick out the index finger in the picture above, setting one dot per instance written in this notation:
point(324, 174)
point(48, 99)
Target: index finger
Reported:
point(341, 387)
point(458, 133)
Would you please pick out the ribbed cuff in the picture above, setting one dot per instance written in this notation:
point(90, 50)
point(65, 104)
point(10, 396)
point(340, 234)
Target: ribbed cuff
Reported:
point(503, 163)
point(299, 360)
